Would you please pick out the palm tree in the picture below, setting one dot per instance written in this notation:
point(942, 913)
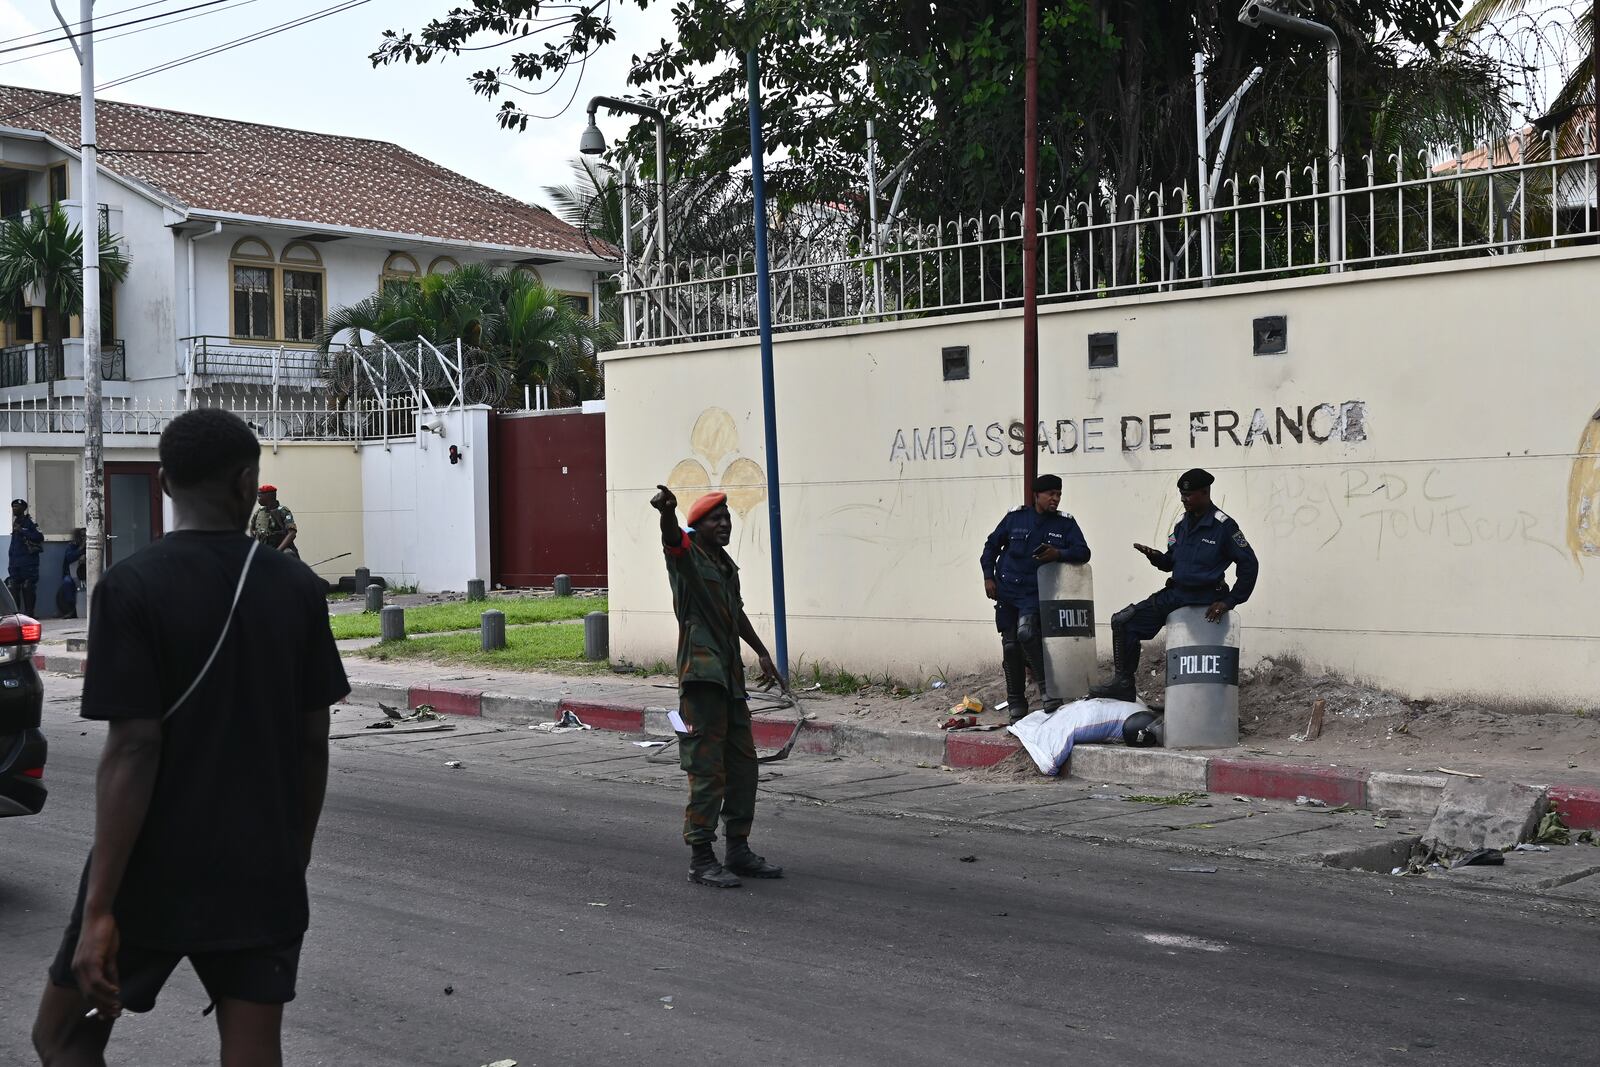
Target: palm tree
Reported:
point(43, 252)
point(514, 331)
point(547, 341)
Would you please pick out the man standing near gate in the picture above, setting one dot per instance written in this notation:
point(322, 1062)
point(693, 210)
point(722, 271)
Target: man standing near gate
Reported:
point(1199, 550)
point(27, 542)
point(715, 744)
point(273, 524)
point(1026, 540)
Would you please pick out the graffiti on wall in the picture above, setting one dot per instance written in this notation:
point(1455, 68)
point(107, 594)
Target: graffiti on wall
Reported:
point(1388, 508)
point(1583, 494)
point(713, 439)
point(1214, 428)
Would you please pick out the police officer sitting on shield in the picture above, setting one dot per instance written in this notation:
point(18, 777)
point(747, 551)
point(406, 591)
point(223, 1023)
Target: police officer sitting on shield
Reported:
point(1199, 549)
point(1025, 540)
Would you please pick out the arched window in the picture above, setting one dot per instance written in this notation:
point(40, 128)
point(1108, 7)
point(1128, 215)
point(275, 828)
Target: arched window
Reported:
point(303, 283)
point(399, 269)
point(443, 265)
point(254, 314)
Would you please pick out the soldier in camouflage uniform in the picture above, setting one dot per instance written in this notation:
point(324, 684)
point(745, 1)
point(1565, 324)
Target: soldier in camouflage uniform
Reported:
point(273, 524)
point(716, 746)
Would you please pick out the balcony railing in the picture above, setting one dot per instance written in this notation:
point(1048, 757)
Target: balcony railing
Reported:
point(211, 361)
point(41, 362)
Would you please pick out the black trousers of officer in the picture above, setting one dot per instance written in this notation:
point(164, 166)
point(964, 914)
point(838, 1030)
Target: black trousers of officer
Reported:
point(25, 591)
point(1142, 621)
point(1021, 649)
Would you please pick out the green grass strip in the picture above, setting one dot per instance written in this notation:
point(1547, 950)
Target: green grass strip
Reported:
point(556, 649)
point(438, 618)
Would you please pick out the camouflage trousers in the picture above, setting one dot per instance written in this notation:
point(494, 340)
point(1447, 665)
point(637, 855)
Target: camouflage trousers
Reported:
point(720, 759)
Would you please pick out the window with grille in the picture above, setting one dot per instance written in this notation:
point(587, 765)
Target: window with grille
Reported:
point(302, 305)
point(58, 183)
point(252, 302)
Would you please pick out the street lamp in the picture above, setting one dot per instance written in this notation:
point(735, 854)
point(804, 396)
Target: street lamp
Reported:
point(592, 143)
point(1256, 15)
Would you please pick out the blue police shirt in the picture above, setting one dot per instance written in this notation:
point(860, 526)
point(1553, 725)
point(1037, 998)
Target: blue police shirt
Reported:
point(24, 564)
point(1008, 553)
point(1198, 556)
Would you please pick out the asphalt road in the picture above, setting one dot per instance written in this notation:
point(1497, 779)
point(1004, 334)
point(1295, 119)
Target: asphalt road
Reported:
point(555, 907)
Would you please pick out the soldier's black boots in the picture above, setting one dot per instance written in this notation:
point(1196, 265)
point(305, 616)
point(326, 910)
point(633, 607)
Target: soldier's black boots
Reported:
point(1125, 661)
point(704, 869)
point(742, 861)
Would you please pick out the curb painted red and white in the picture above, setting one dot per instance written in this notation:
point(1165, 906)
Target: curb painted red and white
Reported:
point(1264, 779)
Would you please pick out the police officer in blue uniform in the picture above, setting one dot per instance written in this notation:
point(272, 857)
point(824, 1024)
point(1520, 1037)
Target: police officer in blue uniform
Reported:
point(1025, 540)
point(1199, 549)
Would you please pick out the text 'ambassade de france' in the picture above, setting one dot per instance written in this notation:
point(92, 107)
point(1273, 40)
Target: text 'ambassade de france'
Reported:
point(1212, 428)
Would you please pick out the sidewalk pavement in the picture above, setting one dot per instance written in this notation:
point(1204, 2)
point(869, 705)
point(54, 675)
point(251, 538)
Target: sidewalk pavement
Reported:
point(632, 704)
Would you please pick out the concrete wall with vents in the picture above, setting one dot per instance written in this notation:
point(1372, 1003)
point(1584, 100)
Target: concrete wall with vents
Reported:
point(1418, 469)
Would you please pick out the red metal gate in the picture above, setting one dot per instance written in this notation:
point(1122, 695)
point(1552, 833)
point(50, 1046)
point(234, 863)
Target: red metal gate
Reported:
point(549, 502)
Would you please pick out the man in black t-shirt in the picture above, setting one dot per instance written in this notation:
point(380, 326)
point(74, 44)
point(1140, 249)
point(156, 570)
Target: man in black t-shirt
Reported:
point(211, 782)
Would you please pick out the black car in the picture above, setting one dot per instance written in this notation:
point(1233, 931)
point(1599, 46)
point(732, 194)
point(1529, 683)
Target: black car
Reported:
point(22, 746)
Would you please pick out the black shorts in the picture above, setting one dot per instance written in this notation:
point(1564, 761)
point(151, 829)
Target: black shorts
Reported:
point(263, 975)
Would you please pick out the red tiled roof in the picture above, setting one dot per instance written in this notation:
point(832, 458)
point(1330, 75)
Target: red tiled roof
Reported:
point(212, 164)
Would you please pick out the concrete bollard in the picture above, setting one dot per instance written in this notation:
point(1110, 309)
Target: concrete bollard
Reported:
point(1066, 617)
point(363, 578)
point(596, 636)
point(475, 589)
point(374, 598)
point(1202, 680)
point(392, 620)
point(563, 584)
point(494, 630)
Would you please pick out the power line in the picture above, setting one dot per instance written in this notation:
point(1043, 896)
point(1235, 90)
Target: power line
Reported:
point(108, 14)
point(143, 29)
point(194, 57)
point(114, 26)
point(271, 31)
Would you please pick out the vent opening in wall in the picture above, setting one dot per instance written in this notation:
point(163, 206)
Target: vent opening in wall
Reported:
point(1102, 350)
point(957, 363)
point(1271, 335)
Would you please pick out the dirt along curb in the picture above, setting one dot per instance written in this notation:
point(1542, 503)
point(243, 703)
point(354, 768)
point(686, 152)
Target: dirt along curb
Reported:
point(1151, 768)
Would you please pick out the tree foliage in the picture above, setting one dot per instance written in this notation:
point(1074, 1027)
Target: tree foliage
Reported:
point(514, 331)
point(943, 83)
point(43, 251)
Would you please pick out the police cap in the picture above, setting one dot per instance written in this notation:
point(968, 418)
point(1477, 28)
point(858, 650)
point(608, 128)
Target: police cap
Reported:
point(1047, 483)
point(1195, 479)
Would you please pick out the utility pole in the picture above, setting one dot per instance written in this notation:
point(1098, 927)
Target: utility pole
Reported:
point(94, 470)
point(1030, 253)
point(769, 401)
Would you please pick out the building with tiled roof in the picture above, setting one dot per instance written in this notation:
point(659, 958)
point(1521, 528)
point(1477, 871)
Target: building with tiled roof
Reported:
point(241, 238)
point(225, 169)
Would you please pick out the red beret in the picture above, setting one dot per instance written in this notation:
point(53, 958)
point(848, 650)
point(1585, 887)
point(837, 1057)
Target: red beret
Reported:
point(705, 506)
point(267, 489)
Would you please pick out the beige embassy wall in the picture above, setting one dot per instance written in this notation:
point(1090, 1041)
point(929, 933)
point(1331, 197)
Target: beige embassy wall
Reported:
point(1419, 471)
point(321, 483)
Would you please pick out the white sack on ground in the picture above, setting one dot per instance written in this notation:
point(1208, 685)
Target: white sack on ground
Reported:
point(1049, 738)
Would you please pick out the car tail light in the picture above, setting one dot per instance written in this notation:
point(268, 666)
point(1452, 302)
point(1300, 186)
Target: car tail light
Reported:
point(19, 637)
point(33, 772)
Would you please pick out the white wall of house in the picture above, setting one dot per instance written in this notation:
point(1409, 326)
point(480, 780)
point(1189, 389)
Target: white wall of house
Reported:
point(1446, 541)
point(426, 520)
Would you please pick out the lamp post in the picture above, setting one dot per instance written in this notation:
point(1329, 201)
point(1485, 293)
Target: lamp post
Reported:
point(593, 143)
point(1256, 14)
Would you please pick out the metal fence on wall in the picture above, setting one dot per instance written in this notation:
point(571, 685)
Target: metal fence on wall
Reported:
point(1517, 195)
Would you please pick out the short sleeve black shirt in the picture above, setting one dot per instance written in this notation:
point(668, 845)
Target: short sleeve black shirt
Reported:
point(218, 863)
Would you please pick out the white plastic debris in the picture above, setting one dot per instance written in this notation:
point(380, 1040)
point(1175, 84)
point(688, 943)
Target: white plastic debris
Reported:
point(453, 764)
point(1309, 802)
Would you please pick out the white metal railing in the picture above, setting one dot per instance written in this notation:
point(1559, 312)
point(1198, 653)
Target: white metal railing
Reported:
point(299, 418)
point(1400, 210)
